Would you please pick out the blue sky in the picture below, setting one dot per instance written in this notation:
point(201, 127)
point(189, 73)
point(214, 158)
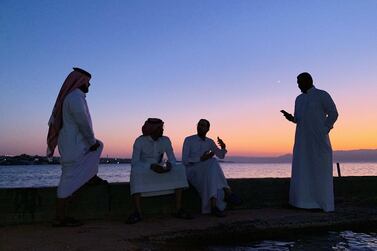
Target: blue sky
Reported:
point(233, 62)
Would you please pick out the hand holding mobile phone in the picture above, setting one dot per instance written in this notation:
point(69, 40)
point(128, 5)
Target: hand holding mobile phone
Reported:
point(288, 116)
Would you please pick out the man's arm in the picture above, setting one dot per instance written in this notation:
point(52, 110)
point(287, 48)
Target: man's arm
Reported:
point(217, 151)
point(136, 153)
point(330, 110)
point(169, 152)
point(186, 153)
point(288, 116)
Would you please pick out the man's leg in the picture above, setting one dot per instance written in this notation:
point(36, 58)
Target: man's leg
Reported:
point(136, 202)
point(213, 202)
point(136, 215)
point(231, 197)
point(180, 212)
point(60, 209)
point(214, 209)
point(62, 220)
point(95, 180)
point(178, 198)
point(227, 191)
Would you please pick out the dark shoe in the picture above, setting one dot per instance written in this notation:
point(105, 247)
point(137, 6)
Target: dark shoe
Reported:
point(215, 211)
point(134, 218)
point(182, 214)
point(233, 199)
point(67, 222)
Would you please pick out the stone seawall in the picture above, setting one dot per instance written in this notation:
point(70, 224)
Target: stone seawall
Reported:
point(33, 205)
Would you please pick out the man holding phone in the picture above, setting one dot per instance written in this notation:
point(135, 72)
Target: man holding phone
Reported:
point(311, 184)
point(204, 171)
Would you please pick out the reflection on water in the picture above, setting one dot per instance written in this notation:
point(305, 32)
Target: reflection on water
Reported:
point(48, 175)
point(357, 241)
point(340, 241)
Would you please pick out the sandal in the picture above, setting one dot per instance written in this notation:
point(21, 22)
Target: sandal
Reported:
point(134, 218)
point(182, 214)
point(67, 222)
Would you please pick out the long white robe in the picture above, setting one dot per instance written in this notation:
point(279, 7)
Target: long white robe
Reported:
point(206, 176)
point(312, 176)
point(147, 151)
point(75, 138)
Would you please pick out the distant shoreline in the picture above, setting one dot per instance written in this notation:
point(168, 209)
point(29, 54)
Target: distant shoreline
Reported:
point(25, 159)
point(352, 156)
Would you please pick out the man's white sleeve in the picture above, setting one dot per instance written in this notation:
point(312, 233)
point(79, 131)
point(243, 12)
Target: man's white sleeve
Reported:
point(186, 153)
point(218, 152)
point(330, 110)
point(78, 111)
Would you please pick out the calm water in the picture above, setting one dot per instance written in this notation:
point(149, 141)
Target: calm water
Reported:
point(48, 175)
point(339, 241)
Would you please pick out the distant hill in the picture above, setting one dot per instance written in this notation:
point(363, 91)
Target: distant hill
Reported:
point(356, 156)
point(339, 156)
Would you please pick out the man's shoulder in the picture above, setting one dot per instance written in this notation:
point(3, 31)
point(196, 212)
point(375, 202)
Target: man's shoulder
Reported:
point(299, 97)
point(165, 138)
point(192, 137)
point(322, 93)
point(210, 140)
point(139, 139)
point(74, 95)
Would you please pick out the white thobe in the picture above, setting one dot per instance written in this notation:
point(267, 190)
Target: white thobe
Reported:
point(206, 176)
point(311, 183)
point(147, 151)
point(75, 138)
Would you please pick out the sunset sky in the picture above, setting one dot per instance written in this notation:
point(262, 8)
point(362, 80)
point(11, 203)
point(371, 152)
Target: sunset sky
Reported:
point(232, 62)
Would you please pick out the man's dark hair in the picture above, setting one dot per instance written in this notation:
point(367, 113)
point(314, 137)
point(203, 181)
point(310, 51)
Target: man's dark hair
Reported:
point(206, 121)
point(82, 71)
point(306, 77)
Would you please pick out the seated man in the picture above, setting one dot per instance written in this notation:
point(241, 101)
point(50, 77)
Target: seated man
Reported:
point(204, 172)
point(149, 176)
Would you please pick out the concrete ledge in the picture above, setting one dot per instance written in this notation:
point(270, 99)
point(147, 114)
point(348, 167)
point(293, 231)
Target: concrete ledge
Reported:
point(33, 205)
point(169, 233)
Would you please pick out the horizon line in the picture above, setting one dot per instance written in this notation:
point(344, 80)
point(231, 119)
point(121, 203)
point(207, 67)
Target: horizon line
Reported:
point(233, 156)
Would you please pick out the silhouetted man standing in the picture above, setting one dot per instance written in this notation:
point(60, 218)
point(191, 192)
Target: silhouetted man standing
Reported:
point(312, 179)
point(70, 127)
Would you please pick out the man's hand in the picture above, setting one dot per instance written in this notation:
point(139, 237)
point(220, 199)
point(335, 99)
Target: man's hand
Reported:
point(157, 168)
point(161, 169)
point(221, 143)
point(207, 155)
point(168, 165)
point(288, 116)
point(94, 147)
